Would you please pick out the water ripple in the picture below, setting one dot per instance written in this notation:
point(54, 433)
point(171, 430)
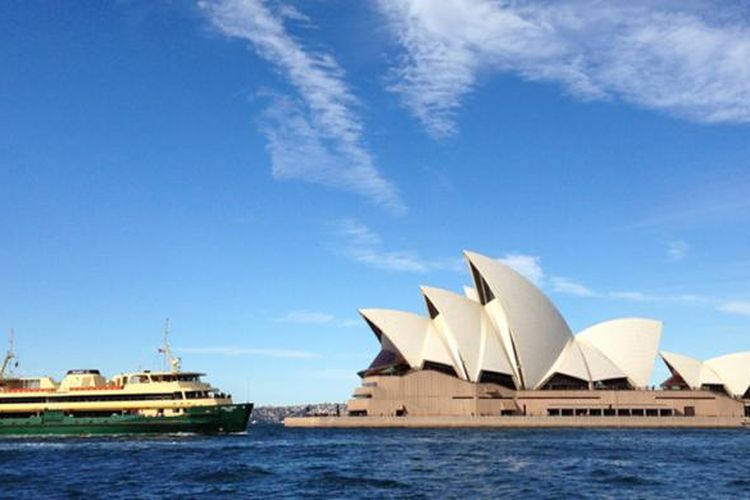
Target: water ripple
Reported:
point(377, 463)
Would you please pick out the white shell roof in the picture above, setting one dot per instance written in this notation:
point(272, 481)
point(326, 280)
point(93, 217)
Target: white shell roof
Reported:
point(733, 370)
point(519, 332)
point(600, 366)
point(464, 322)
point(471, 293)
point(690, 369)
point(538, 330)
point(582, 360)
point(709, 376)
point(632, 344)
point(413, 335)
point(571, 363)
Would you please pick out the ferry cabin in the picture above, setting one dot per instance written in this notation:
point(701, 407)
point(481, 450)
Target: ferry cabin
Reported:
point(87, 392)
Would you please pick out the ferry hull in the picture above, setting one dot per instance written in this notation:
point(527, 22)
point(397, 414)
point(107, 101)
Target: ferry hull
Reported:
point(200, 419)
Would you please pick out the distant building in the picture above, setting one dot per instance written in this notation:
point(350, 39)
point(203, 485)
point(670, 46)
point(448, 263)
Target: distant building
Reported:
point(504, 349)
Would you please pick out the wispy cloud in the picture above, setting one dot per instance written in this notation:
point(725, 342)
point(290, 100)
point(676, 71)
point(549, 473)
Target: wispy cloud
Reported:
point(363, 245)
point(531, 267)
point(247, 351)
point(677, 250)
point(685, 58)
point(735, 307)
point(570, 287)
point(738, 307)
point(316, 137)
point(316, 318)
point(680, 298)
point(633, 296)
point(719, 197)
point(528, 265)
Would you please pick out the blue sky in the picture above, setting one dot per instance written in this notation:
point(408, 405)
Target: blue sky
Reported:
point(258, 170)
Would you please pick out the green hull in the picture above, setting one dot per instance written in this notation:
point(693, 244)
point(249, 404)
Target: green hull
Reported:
point(201, 419)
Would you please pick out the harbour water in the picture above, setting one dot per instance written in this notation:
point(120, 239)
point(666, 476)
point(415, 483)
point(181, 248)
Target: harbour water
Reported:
point(369, 463)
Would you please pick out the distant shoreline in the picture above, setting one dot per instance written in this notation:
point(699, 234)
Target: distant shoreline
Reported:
point(276, 414)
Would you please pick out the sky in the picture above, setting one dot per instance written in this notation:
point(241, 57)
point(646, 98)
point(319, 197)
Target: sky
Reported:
point(257, 170)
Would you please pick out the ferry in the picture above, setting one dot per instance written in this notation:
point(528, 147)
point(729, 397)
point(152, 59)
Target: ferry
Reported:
point(85, 402)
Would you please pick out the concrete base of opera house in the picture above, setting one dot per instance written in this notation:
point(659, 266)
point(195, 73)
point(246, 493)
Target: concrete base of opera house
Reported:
point(428, 398)
point(518, 422)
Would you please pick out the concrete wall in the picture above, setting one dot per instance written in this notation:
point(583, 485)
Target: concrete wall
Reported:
point(517, 422)
point(429, 393)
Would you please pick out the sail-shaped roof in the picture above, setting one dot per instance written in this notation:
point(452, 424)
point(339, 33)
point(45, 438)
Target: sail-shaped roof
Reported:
point(537, 329)
point(600, 366)
point(734, 371)
point(464, 322)
point(689, 369)
point(571, 363)
point(413, 335)
point(506, 325)
point(631, 344)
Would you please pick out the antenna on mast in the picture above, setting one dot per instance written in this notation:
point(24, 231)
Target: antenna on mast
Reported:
point(169, 358)
point(9, 356)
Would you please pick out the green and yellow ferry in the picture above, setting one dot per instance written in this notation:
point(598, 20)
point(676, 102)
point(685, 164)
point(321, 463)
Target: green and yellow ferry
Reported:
point(84, 402)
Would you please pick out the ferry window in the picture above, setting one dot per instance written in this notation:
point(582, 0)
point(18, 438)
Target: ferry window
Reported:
point(595, 412)
point(652, 412)
point(31, 384)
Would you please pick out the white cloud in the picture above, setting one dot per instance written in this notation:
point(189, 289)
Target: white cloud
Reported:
point(719, 197)
point(531, 267)
point(633, 296)
point(685, 58)
point(316, 318)
point(569, 287)
point(736, 307)
point(364, 245)
point(677, 250)
point(528, 265)
point(684, 298)
point(357, 234)
point(318, 138)
point(248, 351)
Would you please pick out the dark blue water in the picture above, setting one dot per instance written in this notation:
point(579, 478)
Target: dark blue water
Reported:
point(273, 461)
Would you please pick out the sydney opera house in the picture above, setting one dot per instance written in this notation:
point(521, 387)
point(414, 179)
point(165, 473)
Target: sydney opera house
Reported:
point(503, 349)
